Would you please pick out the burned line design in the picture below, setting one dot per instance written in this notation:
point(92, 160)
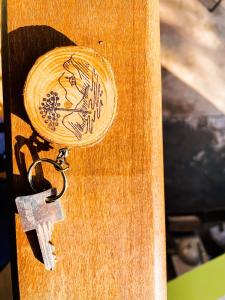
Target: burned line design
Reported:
point(83, 95)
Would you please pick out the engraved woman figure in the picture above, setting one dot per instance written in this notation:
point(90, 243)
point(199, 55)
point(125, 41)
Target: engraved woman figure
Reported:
point(83, 96)
point(81, 104)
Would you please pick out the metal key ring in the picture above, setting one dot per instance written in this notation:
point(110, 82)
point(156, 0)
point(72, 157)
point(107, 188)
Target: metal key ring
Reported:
point(57, 167)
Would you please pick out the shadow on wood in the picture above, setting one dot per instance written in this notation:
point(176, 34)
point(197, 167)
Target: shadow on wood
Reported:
point(25, 45)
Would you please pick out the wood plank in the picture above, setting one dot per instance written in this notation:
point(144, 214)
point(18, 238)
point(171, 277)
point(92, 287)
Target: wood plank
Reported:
point(112, 242)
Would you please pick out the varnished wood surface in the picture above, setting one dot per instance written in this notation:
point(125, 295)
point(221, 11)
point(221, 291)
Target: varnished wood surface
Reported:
point(111, 244)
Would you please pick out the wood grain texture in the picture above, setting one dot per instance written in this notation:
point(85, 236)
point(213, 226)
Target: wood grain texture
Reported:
point(70, 96)
point(112, 242)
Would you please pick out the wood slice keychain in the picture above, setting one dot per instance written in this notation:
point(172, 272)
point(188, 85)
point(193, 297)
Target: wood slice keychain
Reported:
point(70, 98)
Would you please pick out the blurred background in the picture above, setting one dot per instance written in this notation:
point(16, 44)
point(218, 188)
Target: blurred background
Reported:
point(193, 85)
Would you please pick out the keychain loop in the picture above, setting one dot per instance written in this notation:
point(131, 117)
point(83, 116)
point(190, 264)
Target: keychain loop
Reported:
point(61, 159)
point(60, 165)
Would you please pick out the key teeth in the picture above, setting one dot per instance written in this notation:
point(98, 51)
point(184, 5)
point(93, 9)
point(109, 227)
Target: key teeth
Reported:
point(53, 250)
point(44, 232)
point(52, 247)
point(53, 263)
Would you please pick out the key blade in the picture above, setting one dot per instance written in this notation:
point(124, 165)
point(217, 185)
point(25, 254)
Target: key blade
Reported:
point(44, 233)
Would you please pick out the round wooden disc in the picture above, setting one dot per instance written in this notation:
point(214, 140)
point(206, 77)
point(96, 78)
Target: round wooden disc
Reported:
point(70, 96)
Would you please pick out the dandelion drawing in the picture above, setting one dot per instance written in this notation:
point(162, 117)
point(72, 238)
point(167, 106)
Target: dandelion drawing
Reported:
point(50, 108)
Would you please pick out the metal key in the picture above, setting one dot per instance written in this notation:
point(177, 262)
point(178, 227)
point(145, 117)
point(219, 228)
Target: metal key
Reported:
point(36, 214)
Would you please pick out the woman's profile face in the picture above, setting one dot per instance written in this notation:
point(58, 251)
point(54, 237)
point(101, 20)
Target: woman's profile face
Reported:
point(75, 79)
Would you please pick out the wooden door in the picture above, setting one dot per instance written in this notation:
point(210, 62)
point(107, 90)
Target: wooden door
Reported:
point(112, 243)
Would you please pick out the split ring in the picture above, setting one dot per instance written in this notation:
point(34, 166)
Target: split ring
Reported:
point(57, 167)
